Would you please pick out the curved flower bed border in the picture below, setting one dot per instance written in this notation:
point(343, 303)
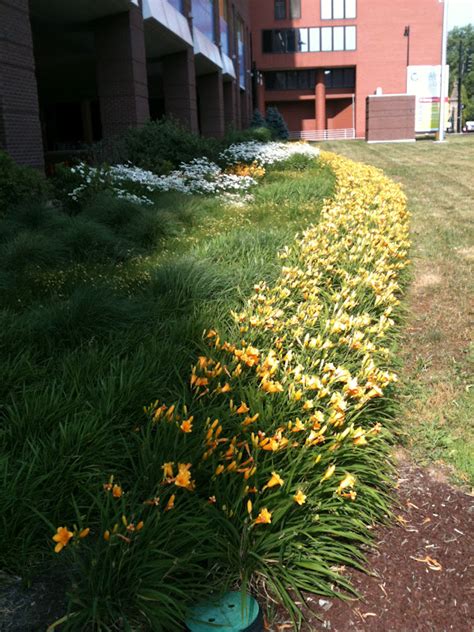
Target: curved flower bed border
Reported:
point(280, 446)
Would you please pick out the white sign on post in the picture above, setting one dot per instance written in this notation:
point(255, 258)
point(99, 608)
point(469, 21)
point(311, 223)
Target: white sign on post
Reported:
point(425, 83)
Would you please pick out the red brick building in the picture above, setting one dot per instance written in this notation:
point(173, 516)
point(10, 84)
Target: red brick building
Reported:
point(319, 60)
point(75, 71)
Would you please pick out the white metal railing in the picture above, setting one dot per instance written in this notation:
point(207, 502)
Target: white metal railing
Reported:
point(326, 134)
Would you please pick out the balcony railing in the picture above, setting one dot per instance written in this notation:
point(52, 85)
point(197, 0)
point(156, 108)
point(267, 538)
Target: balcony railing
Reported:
point(326, 134)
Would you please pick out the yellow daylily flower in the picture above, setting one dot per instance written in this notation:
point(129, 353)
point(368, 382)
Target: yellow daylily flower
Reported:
point(264, 517)
point(183, 478)
point(62, 537)
point(274, 481)
point(328, 473)
point(299, 497)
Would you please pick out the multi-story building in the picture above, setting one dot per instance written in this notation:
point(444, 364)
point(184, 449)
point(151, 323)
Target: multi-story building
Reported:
point(319, 60)
point(75, 71)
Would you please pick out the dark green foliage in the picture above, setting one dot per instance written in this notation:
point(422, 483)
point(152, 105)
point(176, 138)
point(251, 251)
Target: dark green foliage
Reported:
point(89, 336)
point(36, 238)
point(276, 124)
point(261, 134)
point(258, 120)
point(19, 184)
point(31, 249)
point(66, 180)
point(461, 40)
point(158, 146)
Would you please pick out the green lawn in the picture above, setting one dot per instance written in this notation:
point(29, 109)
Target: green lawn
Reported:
point(438, 391)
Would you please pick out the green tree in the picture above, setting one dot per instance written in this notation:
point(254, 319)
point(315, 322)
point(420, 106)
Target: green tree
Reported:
point(461, 42)
point(258, 120)
point(276, 124)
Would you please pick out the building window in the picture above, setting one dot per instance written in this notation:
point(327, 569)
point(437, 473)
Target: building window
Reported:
point(309, 40)
point(177, 4)
point(314, 40)
point(336, 78)
point(350, 38)
point(338, 9)
point(280, 9)
point(295, 9)
point(290, 80)
point(340, 78)
point(224, 26)
point(338, 38)
point(203, 17)
point(326, 38)
point(241, 52)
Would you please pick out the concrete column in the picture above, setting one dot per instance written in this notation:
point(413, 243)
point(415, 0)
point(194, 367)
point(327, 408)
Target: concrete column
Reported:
point(230, 104)
point(121, 72)
point(211, 97)
point(320, 100)
point(20, 127)
point(179, 83)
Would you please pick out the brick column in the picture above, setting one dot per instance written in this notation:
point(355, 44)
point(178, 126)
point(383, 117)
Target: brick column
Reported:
point(320, 100)
point(121, 72)
point(20, 127)
point(211, 93)
point(179, 84)
point(230, 104)
point(244, 109)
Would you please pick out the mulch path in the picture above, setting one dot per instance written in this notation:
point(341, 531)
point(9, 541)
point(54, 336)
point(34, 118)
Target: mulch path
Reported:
point(423, 566)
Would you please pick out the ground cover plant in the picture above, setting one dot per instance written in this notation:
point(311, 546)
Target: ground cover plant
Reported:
point(102, 311)
point(263, 466)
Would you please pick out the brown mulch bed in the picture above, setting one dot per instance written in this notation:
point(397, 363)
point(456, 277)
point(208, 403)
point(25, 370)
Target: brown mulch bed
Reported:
point(423, 566)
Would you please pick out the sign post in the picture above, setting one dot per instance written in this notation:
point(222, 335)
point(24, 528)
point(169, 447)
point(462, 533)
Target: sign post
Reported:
point(444, 82)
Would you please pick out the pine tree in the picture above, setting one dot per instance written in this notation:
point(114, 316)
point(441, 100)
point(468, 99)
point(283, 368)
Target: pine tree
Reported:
point(258, 120)
point(276, 124)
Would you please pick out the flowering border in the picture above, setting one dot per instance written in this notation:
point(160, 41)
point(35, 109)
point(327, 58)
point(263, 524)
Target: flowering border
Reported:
point(282, 432)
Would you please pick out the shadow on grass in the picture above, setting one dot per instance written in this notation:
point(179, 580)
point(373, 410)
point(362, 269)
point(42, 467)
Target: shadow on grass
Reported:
point(99, 317)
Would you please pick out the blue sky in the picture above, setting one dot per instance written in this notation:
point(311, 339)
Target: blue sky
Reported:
point(461, 12)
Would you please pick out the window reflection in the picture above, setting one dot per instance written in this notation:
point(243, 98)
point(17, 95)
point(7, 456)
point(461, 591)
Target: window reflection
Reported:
point(203, 17)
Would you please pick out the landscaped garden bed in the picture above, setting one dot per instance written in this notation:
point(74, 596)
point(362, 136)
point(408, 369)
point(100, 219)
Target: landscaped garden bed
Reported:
point(264, 363)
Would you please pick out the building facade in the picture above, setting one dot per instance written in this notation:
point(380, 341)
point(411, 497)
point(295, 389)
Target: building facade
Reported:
point(74, 72)
point(319, 60)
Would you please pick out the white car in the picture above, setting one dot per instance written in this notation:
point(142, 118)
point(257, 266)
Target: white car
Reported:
point(468, 126)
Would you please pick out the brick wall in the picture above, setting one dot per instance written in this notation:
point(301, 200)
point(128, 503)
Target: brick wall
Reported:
point(390, 118)
point(179, 85)
point(20, 128)
point(121, 72)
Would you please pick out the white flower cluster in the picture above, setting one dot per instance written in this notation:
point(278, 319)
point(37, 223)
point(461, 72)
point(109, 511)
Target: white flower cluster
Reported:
point(205, 177)
point(267, 153)
point(200, 176)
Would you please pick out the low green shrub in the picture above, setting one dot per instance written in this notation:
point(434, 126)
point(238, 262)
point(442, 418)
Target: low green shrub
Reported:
point(297, 162)
point(31, 249)
point(19, 184)
point(160, 146)
point(261, 134)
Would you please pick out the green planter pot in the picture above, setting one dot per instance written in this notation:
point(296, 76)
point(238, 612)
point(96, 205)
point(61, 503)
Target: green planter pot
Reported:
point(229, 613)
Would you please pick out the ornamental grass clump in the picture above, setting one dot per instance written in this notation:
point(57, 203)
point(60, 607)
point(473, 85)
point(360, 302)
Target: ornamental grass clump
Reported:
point(275, 463)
